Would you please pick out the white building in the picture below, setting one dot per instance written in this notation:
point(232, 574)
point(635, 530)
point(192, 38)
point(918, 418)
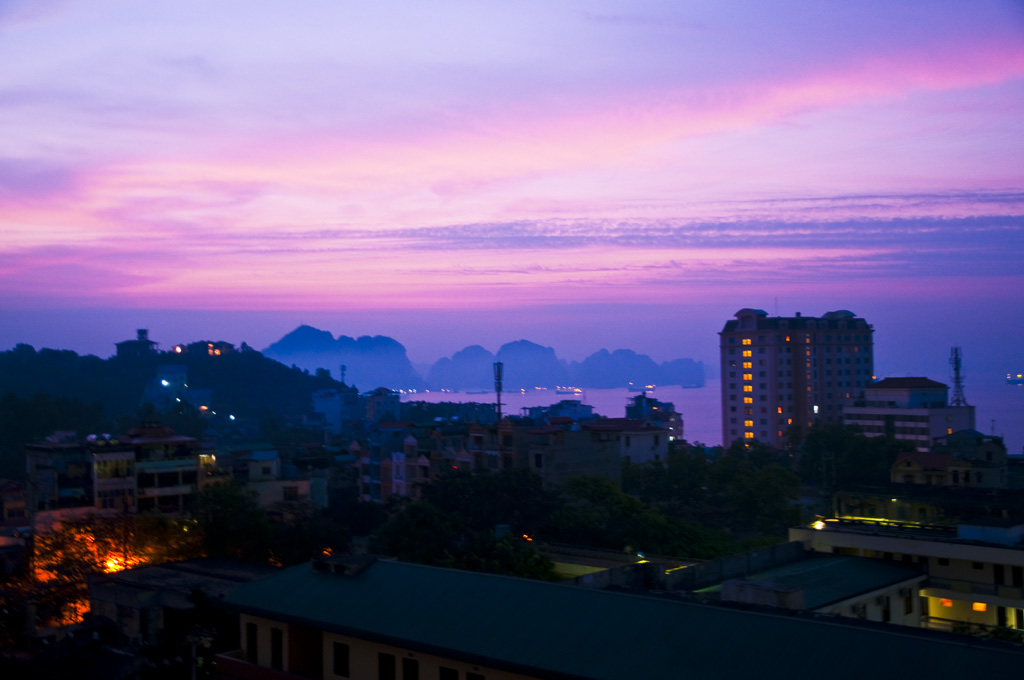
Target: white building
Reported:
point(911, 409)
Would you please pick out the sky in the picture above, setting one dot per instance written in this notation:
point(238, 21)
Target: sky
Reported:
point(585, 175)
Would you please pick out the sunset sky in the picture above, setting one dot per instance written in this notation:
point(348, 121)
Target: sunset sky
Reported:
point(582, 174)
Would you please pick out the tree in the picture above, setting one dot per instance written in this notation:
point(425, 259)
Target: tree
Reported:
point(231, 523)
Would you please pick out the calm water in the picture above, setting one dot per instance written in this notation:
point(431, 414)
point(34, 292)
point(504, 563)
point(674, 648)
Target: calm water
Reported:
point(993, 399)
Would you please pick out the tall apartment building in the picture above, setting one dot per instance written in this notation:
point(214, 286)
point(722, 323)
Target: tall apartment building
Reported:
point(783, 374)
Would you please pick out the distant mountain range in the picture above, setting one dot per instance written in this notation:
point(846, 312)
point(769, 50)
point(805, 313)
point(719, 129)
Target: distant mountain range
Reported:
point(382, 361)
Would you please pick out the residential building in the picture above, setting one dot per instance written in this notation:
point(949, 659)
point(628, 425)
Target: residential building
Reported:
point(780, 375)
point(140, 347)
point(975, 570)
point(346, 617)
point(916, 410)
point(663, 413)
point(966, 458)
point(149, 467)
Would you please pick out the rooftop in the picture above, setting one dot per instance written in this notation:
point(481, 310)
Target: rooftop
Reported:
point(906, 384)
point(560, 631)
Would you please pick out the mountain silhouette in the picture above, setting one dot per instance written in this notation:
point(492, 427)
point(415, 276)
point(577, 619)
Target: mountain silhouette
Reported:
point(370, 361)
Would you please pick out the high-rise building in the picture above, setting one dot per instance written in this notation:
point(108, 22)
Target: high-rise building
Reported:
point(780, 375)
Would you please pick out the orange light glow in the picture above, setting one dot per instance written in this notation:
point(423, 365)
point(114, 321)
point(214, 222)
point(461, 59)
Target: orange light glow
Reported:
point(979, 606)
point(946, 603)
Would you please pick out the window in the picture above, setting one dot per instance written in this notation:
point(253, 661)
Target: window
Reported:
point(747, 353)
point(748, 388)
point(748, 376)
point(341, 659)
point(474, 676)
point(748, 364)
point(444, 673)
point(748, 435)
point(251, 643)
point(979, 607)
point(748, 400)
point(746, 341)
point(410, 669)
point(385, 666)
point(277, 649)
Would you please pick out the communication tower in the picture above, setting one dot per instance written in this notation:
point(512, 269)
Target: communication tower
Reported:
point(498, 371)
point(958, 380)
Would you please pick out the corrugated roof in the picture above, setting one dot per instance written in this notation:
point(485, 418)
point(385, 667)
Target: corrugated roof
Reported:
point(559, 631)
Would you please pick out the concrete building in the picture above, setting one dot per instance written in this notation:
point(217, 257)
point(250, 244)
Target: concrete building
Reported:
point(138, 348)
point(966, 458)
point(916, 410)
point(350, 618)
point(780, 375)
point(975, 570)
point(663, 413)
point(149, 467)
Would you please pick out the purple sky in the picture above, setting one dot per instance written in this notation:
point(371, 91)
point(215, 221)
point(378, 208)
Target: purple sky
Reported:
point(582, 174)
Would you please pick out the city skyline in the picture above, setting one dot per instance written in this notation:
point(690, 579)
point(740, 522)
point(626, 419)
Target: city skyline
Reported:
point(585, 176)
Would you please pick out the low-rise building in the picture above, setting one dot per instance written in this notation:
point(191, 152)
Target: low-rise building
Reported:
point(350, 618)
point(915, 410)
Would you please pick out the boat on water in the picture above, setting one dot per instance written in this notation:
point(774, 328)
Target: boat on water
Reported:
point(633, 387)
point(1017, 379)
point(563, 389)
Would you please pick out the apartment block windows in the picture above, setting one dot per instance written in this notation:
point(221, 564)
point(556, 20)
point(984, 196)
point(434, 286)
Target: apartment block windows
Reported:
point(385, 666)
point(341, 665)
point(252, 646)
point(410, 669)
point(277, 649)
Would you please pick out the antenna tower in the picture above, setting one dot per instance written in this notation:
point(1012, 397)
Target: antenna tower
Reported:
point(498, 371)
point(958, 380)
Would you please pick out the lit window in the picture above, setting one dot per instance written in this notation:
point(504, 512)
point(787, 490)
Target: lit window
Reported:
point(748, 435)
point(746, 341)
point(780, 409)
point(979, 606)
point(748, 400)
point(748, 353)
point(946, 603)
point(748, 364)
point(748, 376)
point(748, 388)
point(748, 423)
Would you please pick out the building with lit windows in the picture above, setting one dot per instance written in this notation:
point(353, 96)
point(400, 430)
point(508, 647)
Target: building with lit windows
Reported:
point(378, 620)
point(780, 375)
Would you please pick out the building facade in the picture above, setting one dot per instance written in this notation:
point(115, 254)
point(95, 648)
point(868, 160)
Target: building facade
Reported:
point(780, 375)
point(916, 410)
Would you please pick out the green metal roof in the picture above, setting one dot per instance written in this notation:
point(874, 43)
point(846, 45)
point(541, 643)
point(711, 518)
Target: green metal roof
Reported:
point(560, 631)
point(825, 580)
